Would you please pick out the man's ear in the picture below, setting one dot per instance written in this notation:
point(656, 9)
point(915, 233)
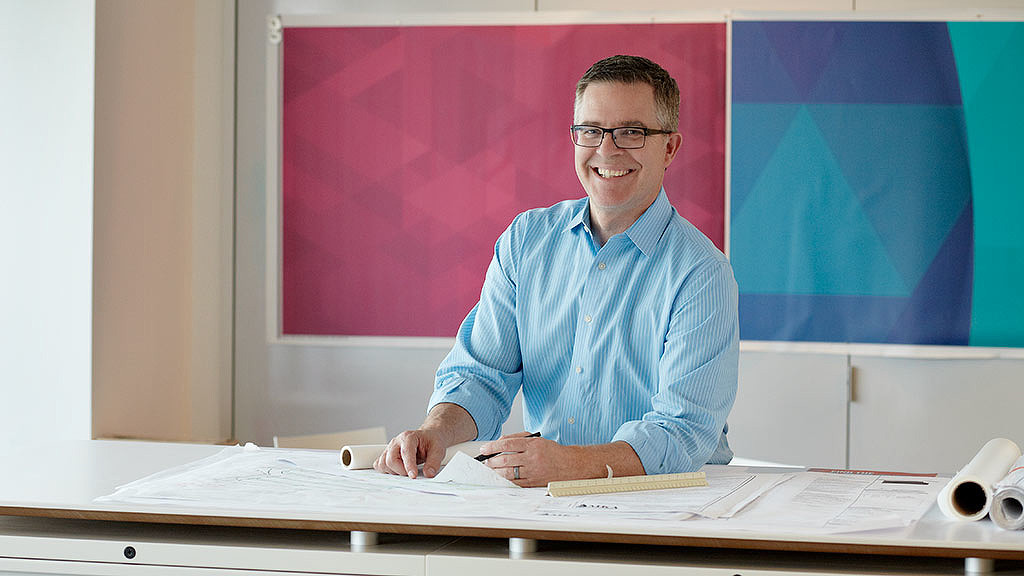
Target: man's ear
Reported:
point(672, 145)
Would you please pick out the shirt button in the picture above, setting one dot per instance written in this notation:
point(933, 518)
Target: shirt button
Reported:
point(601, 266)
point(579, 369)
point(587, 318)
point(572, 420)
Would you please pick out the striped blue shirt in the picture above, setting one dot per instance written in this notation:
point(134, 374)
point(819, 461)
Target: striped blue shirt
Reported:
point(636, 340)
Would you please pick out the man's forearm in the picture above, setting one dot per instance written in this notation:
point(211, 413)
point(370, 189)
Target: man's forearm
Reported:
point(452, 422)
point(592, 461)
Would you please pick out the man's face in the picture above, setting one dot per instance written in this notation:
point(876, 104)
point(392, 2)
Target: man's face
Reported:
point(622, 182)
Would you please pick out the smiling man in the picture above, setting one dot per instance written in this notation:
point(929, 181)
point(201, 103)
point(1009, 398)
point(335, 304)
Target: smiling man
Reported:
point(615, 316)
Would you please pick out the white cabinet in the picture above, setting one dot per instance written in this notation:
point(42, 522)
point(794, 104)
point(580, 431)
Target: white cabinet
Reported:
point(791, 408)
point(871, 411)
point(31, 545)
point(932, 415)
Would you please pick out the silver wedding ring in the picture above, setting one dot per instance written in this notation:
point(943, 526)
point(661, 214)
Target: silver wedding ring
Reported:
point(515, 472)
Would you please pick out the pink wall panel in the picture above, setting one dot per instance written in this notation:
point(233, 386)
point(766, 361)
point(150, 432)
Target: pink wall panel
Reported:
point(407, 151)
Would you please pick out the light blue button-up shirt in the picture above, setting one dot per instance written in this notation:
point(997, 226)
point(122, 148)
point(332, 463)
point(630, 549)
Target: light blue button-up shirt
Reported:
point(636, 340)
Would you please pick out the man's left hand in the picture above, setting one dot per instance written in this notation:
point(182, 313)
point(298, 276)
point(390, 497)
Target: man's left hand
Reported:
point(532, 461)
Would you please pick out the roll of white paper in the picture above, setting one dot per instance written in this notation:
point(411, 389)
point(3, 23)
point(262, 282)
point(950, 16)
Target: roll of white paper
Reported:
point(361, 457)
point(1008, 500)
point(968, 496)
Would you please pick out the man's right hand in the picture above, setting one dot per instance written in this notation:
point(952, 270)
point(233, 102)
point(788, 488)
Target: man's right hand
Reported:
point(409, 449)
point(446, 425)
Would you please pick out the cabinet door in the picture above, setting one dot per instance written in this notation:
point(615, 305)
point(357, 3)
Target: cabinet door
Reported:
point(932, 415)
point(791, 408)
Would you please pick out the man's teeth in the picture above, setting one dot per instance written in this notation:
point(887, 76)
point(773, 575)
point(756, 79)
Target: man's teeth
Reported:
point(604, 173)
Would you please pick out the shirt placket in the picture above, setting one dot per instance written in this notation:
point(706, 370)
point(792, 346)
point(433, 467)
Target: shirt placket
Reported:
point(584, 372)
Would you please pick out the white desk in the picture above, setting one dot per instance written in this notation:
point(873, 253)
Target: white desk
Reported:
point(53, 526)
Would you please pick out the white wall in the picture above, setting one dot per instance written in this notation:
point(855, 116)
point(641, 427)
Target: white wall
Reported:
point(46, 154)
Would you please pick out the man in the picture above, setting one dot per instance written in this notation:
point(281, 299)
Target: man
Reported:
point(616, 316)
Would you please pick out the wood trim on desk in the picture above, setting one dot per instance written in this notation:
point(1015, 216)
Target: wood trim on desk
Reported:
point(533, 534)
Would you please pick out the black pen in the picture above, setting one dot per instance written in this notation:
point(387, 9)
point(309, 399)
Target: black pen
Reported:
point(483, 457)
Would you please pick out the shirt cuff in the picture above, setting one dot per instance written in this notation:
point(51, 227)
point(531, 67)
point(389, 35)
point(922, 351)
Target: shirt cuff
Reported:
point(479, 406)
point(658, 453)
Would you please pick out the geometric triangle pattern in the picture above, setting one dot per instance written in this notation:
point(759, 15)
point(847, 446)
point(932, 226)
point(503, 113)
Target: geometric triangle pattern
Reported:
point(406, 151)
point(804, 195)
point(990, 58)
point(851, 191)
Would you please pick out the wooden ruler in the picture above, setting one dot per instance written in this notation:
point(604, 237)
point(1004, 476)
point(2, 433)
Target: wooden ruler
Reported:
point(626, 484)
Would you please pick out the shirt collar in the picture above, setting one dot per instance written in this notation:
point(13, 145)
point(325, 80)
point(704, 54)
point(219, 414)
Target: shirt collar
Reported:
point(650, 226)
point(645, 232)
point(582, 216)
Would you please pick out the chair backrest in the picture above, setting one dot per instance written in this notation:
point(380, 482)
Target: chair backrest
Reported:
point(333, 440)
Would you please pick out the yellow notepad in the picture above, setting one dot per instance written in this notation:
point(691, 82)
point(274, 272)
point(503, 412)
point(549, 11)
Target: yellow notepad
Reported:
point(626, 484)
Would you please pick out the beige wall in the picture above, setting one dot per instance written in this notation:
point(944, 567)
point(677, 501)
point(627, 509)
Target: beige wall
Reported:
point(162, 224)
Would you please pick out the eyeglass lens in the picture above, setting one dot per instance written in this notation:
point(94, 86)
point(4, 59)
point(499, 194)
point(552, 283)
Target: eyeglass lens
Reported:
point(624, 137)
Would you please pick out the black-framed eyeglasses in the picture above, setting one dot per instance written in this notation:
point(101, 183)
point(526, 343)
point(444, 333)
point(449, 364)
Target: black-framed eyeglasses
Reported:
point(625, 137)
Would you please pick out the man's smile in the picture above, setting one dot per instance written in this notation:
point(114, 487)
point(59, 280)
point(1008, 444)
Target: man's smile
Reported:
point(609, 173)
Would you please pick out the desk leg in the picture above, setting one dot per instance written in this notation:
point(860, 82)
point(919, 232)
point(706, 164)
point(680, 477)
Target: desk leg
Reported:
point(360, 540)
point(979, 565)
point(519, 547)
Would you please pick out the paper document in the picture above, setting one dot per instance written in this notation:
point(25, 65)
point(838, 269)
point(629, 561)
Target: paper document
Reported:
point(312, 484)
point(725, 495)
point(815, 502)
point(462, 469)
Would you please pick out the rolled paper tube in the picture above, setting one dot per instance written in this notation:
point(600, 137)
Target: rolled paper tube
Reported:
point(968, 496)
point(1008, 507)
point(1008, 500)
point(361, 457)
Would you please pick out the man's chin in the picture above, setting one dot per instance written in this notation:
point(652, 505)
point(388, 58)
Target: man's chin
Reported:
point(618, 200)
point(610, 193)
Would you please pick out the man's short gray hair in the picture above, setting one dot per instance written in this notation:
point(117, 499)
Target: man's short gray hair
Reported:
point(637, 70)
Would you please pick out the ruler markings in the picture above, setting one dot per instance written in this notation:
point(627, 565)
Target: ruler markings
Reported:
point(626, 484)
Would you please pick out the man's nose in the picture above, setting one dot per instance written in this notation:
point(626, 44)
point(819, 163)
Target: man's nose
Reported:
point(608, 147)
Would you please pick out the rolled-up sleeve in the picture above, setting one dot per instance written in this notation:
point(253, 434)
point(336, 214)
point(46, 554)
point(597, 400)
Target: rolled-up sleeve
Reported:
point(697, 378)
